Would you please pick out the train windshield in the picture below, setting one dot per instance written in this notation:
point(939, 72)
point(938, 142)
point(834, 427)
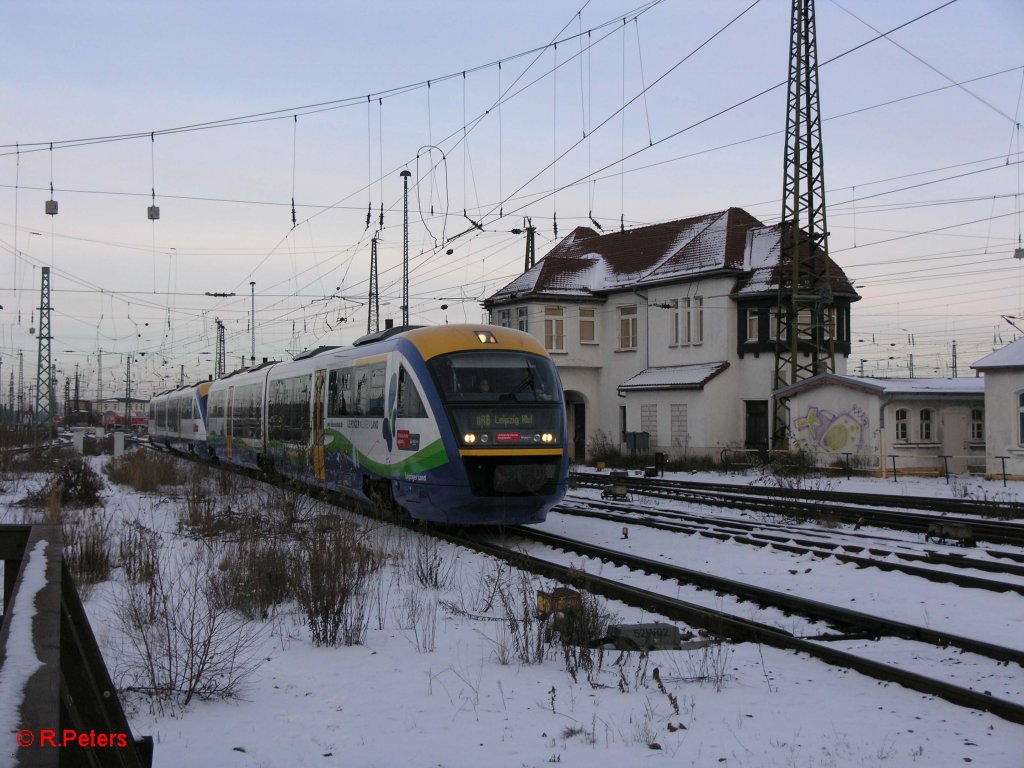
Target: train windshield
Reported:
point(495, 377)
point(501, 399)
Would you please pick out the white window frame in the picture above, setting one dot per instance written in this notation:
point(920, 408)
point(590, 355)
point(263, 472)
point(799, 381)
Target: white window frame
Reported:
point(504, 318)
point(697, 320)
point(1020, 419)
point(628, 328)
point(523, 319)
point(588, 317)
point(925, 425)
point(902, 425)
point(753, 317)
point(978, 424)
point(554, 328)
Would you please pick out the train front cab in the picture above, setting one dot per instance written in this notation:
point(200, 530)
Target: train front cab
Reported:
point(502, 403)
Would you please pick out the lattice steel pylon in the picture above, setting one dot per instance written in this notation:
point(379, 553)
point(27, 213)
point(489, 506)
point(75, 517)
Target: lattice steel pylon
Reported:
point(805, 307)
point(44, 368)
point(219, 355)
point(373, 314)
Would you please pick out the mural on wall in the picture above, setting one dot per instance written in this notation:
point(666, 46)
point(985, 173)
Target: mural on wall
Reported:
point(844, 432)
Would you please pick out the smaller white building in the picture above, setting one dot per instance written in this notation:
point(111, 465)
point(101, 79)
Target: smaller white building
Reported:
point(1004, 410)
point(913, 425)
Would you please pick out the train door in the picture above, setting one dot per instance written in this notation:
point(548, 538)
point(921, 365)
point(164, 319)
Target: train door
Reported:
point(229, 423)
point(319, 465)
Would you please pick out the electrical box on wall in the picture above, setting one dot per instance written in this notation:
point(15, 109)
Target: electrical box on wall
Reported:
point(154, 212)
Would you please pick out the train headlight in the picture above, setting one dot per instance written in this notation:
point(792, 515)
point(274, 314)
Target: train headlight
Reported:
point(469, 437)
point(547, 437)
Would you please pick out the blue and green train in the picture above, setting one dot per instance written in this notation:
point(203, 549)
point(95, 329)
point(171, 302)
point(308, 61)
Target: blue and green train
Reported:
point(456, 424)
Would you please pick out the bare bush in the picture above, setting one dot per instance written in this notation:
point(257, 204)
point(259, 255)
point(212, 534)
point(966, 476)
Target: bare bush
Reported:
point(573, 632)
point(526, 632)
point(332, 581)
point(87, 548)
point(145, 471)
point(181, 644)
point(254, 574)
point(199, 512)
point(139, 551)
point(73, 483)
point(432, 566)
point(419, 616)
point(707, 664)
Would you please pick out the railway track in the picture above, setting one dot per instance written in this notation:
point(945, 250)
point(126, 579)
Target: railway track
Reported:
point(988, 521)
point(739, 629)
point(932, 565)
point(843, 622)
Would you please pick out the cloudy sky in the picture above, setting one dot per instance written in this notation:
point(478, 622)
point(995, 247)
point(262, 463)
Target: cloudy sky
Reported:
point(224, 113)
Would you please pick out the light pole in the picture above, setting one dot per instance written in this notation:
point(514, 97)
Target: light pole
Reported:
point(252, 321)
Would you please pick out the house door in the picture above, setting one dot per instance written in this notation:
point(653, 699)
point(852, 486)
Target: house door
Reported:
point(579, 433)
point(954, 441)
point(756, 425)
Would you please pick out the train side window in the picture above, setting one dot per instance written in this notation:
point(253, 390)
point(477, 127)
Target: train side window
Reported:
point(376, 390)
point(410, 403)
point(339, 394)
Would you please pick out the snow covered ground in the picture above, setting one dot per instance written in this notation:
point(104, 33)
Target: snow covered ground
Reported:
point(437, 681)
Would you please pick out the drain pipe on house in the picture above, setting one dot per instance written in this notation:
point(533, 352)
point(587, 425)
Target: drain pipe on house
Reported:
point(881, 434)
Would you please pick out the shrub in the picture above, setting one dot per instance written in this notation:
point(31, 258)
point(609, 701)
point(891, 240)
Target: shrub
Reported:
point(145, 471)
point(331, 577)
point(87, 549)
point(72, 484)
point(253, 576)
point(182, 644)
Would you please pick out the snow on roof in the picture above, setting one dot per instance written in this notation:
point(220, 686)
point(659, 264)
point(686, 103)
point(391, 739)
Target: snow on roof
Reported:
point(909, 387)
point(675, 377)
point(1010, 356)
point(586, 263)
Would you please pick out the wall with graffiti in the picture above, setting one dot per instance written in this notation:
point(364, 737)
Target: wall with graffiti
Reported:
point(835, 421)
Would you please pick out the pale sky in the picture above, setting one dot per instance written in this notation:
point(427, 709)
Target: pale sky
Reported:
point(922, 175)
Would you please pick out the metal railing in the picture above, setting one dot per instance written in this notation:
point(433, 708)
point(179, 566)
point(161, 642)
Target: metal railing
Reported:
point(66, 711)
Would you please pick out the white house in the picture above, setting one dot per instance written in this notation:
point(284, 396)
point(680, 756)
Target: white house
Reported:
point(906, 425)
point(1004, 410)
point(667, 330)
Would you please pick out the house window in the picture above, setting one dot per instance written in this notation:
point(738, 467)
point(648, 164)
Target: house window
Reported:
point(627, 327)
point(523, 319)
point(649, 421)
point(554, 329)
point(925, 425)
point(977, 424)
point(504, 318)
point(773, 324)
point(1020, 419)
point(673, 334)
point(902, 424)
point(588, 326)
point(753, 316)
point(697, 320)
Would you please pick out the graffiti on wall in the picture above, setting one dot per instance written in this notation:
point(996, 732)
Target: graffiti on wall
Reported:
point(843, 432)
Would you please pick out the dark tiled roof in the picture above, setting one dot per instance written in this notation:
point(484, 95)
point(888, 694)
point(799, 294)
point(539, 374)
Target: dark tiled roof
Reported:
point(763, 277)
point(586, 263)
